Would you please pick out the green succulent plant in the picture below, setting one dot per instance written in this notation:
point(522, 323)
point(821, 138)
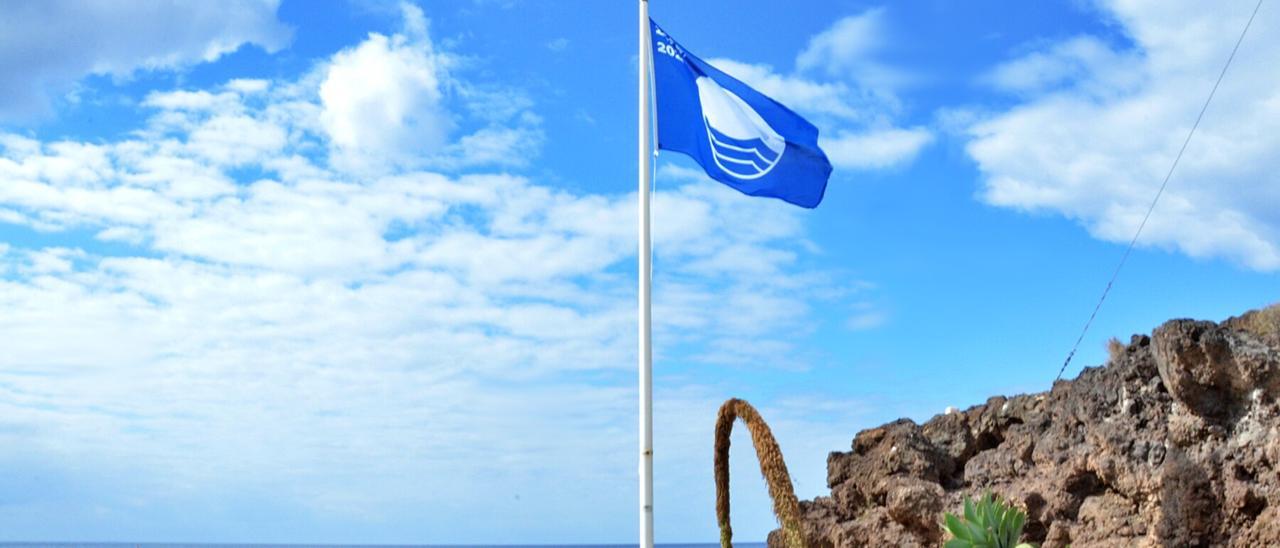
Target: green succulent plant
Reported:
point(988, 523)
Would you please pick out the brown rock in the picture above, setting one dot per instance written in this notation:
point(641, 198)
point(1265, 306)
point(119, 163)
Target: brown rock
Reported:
point(1174, 442)
point(1194, 360)
point(915, 504)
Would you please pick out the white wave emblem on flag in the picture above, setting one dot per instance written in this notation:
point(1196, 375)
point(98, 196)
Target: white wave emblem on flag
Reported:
point(742, 143)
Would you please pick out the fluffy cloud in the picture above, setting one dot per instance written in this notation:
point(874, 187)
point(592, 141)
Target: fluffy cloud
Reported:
point(1083, 61)
point(876, 149)
point(45, 47)
point(391, 102)
point(849, 48)
point(1100, 125)
point(847, 43)
point(385, 94)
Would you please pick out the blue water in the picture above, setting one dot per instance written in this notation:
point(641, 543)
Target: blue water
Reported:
point(182, 545)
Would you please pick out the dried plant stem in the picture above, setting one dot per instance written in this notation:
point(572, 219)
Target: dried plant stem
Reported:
point(785, 506)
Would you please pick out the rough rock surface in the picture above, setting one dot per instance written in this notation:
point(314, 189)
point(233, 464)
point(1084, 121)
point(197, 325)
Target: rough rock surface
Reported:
point(1174, 442)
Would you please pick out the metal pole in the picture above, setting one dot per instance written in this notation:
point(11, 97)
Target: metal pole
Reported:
point(645, 167)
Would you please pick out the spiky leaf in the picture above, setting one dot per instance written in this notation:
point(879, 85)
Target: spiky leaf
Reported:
point(1015, 526)
point(977, 533)
point(956, 528)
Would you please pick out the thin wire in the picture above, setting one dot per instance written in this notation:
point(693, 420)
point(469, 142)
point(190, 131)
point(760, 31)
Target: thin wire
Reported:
point(1164, 184)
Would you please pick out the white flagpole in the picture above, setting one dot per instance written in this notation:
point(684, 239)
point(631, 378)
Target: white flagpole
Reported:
point(645, 166)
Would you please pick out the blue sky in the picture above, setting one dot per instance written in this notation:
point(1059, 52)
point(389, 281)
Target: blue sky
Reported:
point(364, 272)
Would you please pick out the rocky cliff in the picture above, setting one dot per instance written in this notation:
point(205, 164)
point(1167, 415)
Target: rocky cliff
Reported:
point(1174, 442)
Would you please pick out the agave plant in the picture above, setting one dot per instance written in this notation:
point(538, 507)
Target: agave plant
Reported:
point(988, 523)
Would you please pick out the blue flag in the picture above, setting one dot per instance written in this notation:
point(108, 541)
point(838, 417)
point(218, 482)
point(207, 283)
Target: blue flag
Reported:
point(741, 137)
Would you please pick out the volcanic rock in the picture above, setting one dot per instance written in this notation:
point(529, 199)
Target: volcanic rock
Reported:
point(1174, 442)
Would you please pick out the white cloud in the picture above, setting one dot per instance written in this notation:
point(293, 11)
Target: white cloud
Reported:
point(286, 335)
point(1101, 125)
point(848, 41)
point(1085, 61)
point(497, 146)
point(190, 100)
point(46, 47)
point(391, 103)
point(876, 149)
point(382, 98)
point(848, 49)
point(248, 86)
point(53, 260)
point(235, 140)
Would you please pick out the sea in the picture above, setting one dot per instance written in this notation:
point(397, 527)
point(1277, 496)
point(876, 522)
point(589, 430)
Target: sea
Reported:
point(182, 545)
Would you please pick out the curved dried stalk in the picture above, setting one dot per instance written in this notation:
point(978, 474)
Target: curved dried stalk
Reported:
point(785, 506)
